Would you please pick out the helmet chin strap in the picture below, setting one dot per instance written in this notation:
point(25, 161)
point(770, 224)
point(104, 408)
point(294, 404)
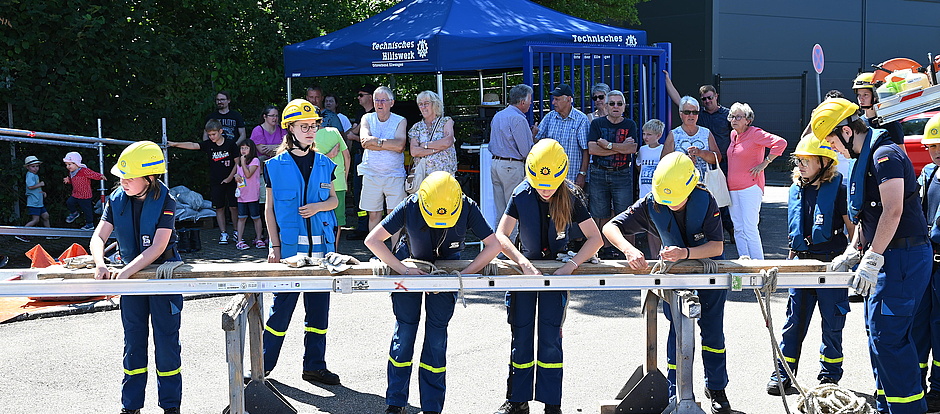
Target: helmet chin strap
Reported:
point(850, 145)
point(142, 193)
point(825, 166)
point(297, 144)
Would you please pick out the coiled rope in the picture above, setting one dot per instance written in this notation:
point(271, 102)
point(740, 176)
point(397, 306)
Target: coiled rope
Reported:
point(379, 268)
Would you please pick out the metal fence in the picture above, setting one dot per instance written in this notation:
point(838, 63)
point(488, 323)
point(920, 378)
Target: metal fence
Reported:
point(779, 102)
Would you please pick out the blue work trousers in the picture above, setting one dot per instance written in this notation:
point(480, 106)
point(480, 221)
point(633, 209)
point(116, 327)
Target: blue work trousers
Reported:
point(546, 371)
point(926, 332)
point(137, 314)
point(316, 318)
point(712, 325)
point(438, 308)
point(833, 305)
point(889, 315)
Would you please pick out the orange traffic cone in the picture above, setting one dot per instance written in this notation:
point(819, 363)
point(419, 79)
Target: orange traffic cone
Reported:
point(73, 251)
point(39, 258)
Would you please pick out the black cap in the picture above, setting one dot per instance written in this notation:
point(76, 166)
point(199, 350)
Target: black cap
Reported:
point(562, 89)
point(367, 88)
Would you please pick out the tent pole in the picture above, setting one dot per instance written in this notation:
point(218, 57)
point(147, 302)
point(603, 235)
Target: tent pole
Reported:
point(440, 84)
point(288, 90)
point(480, 74)
point(505, 82)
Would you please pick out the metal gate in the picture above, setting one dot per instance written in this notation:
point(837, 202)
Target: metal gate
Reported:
point(635, 71)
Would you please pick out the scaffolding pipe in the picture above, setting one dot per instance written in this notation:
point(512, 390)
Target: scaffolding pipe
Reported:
point(101, 188)
point(66, 137)
point(46, 142)
point(164, 145)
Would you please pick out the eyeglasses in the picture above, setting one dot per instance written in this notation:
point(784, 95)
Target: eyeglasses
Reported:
point(423, 104)
point(364, 94)
point(615, 103)
point(309, 127)
point(382, 101)
point(271, 115)
point(801, 161)
point(736, 117)
point(599, 97)
point(688, 112)
point(708, 98)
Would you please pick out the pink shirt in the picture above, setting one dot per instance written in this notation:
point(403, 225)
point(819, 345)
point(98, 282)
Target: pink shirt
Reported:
point(746, 151)
point(262, 137)
point(251, 191)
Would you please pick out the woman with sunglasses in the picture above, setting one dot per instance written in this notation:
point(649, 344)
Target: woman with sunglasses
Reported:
point(599, 98)
point(695, 141)
point(746, 164)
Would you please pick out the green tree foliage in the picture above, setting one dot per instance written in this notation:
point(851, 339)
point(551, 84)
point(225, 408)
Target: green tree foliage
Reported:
point(65, 64)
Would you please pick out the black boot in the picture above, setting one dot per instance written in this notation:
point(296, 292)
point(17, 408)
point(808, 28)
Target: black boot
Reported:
point(773, 386)
point(126, 411)
point(719, 401)
point(195, 241)
point(933, 401)
point(510, 407)
point(182, 240)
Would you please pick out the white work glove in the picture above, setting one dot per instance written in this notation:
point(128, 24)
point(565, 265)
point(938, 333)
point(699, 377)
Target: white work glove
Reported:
point(845, 261)
point(866, 277)
point(337, 263)
point(299, 260)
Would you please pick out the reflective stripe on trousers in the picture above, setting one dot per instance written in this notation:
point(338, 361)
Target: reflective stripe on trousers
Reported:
point(926, 332)
point(833, 305)
point(714, 355)
point(138, 313)
point(525, 368)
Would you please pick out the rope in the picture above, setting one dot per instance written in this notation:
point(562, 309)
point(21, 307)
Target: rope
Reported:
point(165, 270)
point(379, 268)
point(434, 270)
point(662, 267)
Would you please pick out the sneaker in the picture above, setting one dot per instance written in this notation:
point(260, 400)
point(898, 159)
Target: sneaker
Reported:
point(510, 407)
point(223, 238)
point(394, 409)
point(773, 386)
point(71, 217)
point(323, 376)
point(552, 409)
point(719, 401)
point(88, 226)
point(241, 246)
point(234, 235)
point(174, 410)
point(260, 244)
point(23, 239)
point(933, 401)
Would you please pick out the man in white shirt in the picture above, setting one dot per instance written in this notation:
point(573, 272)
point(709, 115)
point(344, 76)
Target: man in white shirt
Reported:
point(383, 137)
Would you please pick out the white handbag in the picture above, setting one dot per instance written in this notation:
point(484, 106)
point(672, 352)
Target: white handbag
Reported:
point(717, 184)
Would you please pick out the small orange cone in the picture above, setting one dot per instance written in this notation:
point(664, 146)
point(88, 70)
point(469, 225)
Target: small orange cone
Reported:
point(39, 257)
point(73, 251)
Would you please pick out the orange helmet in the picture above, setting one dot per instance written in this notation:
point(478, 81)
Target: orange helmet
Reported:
point(892, 65)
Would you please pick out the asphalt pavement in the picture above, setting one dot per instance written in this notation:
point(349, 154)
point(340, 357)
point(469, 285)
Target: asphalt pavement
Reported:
point(72, 364)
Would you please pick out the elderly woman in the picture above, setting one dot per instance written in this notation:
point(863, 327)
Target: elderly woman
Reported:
point(695, 141)
point(599, 97)
point(433, 138)
point(746, 164)
point(269, 134)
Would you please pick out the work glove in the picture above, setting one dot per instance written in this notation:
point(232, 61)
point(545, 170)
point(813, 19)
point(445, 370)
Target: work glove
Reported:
point(338, 263)
point(299, 260)
point(80, 262)
point(845, 261)
point(566, 257)
point(866, 277)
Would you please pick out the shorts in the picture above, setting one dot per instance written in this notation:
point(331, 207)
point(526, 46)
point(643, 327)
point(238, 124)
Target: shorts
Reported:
point(223, 195)
point(375, 190)
point(36, 211)
point(340, 208)
point(250, 209)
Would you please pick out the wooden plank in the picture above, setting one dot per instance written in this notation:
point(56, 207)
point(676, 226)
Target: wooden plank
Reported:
point(650, 305)
point(255, 333)
point(254, 270)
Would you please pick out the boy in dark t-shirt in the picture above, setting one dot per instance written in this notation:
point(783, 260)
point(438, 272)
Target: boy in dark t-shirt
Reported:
point(222, 153)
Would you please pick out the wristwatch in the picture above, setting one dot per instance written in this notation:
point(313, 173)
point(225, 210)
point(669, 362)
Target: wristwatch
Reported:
point(582, 173)
point(610, 145)
point(381, 141)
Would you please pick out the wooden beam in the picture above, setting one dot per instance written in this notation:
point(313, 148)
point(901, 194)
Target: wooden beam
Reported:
point(252, 269)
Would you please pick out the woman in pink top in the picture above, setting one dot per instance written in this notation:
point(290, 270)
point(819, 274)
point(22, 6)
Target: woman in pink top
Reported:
point(746, 163)
point(269, 134)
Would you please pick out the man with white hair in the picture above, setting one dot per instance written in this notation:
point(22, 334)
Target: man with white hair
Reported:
point(383, 138)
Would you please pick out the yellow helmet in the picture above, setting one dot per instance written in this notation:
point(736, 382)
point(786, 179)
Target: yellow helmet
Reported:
point(674, 179)
point(440, 199)
point(547, 165)
point(830, 114)
point(810, 145)
point(140, 159)
point(864, 81)
point(932, 131)
point(297, 110)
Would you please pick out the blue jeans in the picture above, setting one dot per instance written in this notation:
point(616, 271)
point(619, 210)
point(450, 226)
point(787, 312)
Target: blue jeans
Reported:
point(83, 204)
point(610, 191)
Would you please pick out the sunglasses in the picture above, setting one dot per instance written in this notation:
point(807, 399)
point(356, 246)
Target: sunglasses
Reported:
point(615, 103)
point(364, 94)
point(599, 97)
point(708, 98)
point(688, 112)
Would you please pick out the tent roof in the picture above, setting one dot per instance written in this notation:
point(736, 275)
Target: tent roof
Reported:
point(420, 36)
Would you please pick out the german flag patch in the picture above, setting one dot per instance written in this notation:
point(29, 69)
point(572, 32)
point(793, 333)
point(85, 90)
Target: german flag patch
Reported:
point(717, 213)
point(169, 212)
point(882, 159)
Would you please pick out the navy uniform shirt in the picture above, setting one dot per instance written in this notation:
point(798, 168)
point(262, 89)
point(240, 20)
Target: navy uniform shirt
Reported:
point(579, 213)
point(442, 238)
point(636, 219)
point(888, 162)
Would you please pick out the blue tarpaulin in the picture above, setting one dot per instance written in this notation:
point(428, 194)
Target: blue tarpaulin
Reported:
point(426, 36)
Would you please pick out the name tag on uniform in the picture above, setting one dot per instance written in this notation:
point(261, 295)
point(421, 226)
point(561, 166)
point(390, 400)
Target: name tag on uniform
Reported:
point(819, 220)
point(326, 185)
point(455, 245)
point(145, 241)
point(560, 236)
point(698, 236)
